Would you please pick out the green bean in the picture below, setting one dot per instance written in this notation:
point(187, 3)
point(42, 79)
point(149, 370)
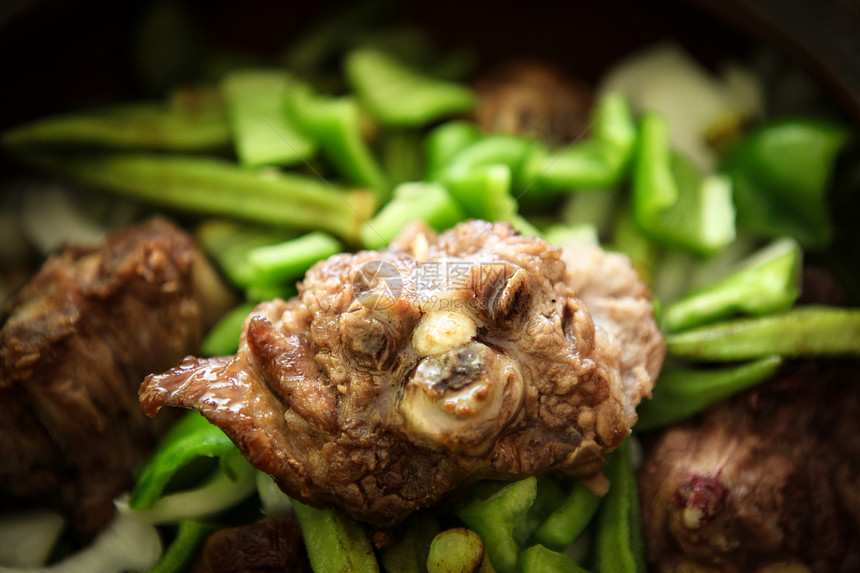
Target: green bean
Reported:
point(539, 559)
point(494, 518)
point(563, 526)
point(801, 332)
point(428, 202)
point(410, 553)
point(399, 95)
point(217, 187)
point(458, 551)
point(618, 543)
point(335, 543)
point(683, 392)
point(189, 538)
point(549, 496)
point(196, 123)
point(263, 134)
point(767, 282)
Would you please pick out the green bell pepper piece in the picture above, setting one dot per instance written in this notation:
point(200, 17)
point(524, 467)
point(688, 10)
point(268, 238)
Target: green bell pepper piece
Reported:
point(335, 543)
point(262, 132)
point(410, 553)
point(549, 496)
point(511, 150)
point(484, 192)
point(445, 142)
point(683, 392)
point(192, 437)
point(781, 174)
point(290, 260)
point(767, 282)
point(335, 124)
point(428, 202)
point(672, 202)
point(495, 518)
point(803, 331)
point(398, 95)
point(618, 544)
point(223, 338)
point(403, 155)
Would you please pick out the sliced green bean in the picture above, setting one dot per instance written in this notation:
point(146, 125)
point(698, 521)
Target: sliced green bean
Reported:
point(803, 331)
point(263, 133)
point(494, 518)
point(683, 392)
point(618, 541)
point(458, 550)
point(189, 538)
point(569, 520)
point(549, 496)
point(217, 187)
point(398, 95)
point(539, 559)
point(410, 553)
point(335, 543)
point(767, 282)
point(197, 122)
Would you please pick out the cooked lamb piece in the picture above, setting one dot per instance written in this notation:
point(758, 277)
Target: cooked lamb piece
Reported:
point(769, 481)
point(396, 376)
point(533, 99)
point(270, 545)
point(75, 343)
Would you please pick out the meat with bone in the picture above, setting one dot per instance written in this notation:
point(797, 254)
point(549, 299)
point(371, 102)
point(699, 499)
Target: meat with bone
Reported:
point(75, 343)
point(769, 481)
point(533, 99)
point(396, 376)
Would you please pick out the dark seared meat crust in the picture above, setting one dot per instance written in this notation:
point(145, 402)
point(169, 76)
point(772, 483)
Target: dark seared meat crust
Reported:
point(75, 344)
point(272, 545)
point(374, 391)
point(770, 478)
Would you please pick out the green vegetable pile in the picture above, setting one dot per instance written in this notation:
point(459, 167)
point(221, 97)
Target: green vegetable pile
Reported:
point(278, 171)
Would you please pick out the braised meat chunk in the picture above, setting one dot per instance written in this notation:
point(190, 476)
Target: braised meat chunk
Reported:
point(396, 376)
point(75, 343)
point(769, 481)
point(272, 545)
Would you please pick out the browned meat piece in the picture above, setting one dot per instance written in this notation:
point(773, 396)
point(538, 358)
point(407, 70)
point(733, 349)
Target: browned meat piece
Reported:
point(771, 477)
point(533, 99)
point(75, 343)
point(398, 375)
point(270, 545)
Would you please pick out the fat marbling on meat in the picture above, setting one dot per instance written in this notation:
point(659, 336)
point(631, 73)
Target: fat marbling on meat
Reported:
point(396, 376)
point(75, 343)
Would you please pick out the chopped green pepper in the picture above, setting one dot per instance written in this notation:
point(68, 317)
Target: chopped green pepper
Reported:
point(802, 331)
point(410, 553)
point(192, 437)
point(335, 123)
point(672, 202)
point(223, 338)
point(494, 518)
point(335, 543)
point(289, 260)
point(781, 174)
point(262, 132)
point(618, 544)
point(510, 150)
point(484, 192)
point(445, 142)
point(458, 550)
point(549, 496)
point(683, 392)
point(402, 155)
point(428, 202)
point(398, 95)
point(768, 282)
